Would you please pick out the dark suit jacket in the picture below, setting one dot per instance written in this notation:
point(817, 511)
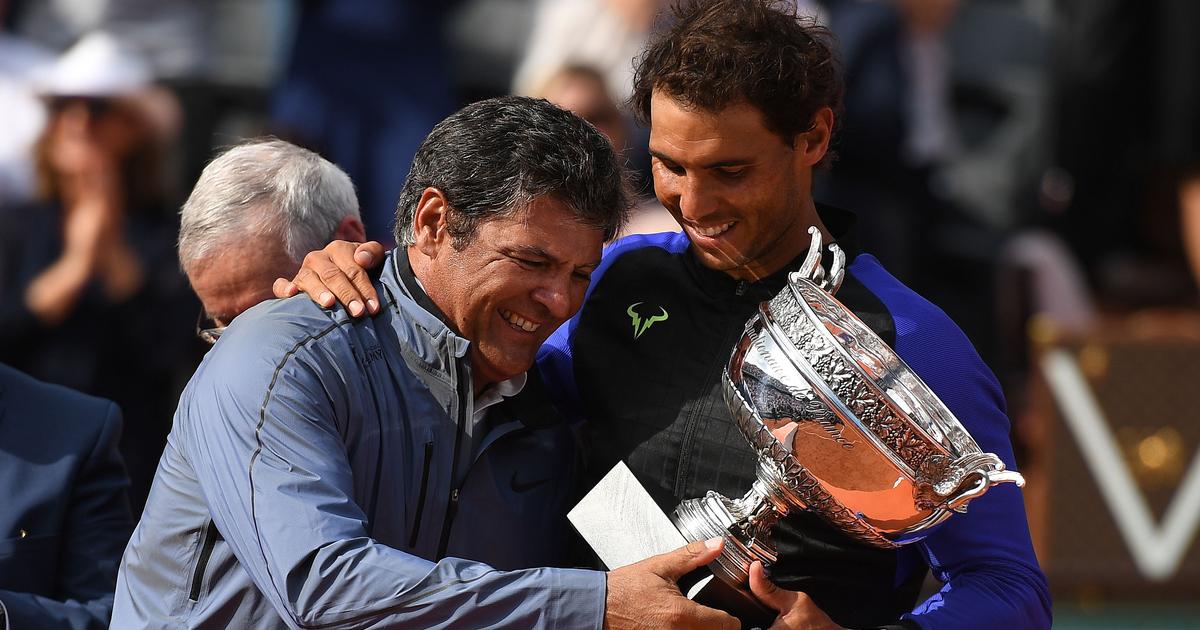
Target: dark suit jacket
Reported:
point(64, 506)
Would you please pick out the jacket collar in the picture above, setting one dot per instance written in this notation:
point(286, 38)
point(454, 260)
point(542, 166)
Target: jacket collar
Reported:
point(412, 306)
point(404, 273)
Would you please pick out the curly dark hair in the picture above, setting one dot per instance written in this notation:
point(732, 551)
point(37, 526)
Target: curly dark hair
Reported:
point(494, 157)
point(719, 53)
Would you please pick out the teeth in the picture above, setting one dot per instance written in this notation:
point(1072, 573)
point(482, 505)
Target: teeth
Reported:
point(713, 231)
point(518, 321)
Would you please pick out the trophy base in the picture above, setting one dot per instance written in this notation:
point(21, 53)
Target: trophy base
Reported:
point(624, 525)
point(712, 517)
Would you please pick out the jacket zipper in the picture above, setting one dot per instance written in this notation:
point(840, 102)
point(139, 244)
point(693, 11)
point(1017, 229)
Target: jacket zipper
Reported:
point(686, 443)
point(211, 535)
point(452, 500)
point(416, 527)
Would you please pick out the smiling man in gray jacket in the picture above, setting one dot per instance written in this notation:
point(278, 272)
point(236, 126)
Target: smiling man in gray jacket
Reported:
point(325, 472)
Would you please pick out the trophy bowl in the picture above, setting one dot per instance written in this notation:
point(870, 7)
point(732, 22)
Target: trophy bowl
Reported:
point(843, 428)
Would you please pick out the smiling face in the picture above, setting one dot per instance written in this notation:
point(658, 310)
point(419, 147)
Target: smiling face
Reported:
point(516, 280)
point(740, 192)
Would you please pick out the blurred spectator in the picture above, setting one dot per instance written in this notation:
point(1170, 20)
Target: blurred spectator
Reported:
point(896, 148)
point(1189, 207)
point(603, 34)
point(896, 126)
point(581, 89)
point(91, 296)
point(21, 61)
point(65, 517)
point(1125, 115)
point(253, 215)
point(366, 81)
point(171, 35)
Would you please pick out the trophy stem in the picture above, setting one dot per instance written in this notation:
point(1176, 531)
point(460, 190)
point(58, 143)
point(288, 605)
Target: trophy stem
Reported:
point(744, 524)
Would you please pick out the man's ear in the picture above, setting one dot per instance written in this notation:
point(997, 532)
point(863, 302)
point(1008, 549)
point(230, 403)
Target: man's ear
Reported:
point(350, 229)
point(429, 222)
point(814, 143)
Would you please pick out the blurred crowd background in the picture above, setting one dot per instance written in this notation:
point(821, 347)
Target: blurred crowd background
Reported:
point(1032, 166)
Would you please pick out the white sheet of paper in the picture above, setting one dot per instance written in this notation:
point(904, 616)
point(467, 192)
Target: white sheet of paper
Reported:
point(621, 522)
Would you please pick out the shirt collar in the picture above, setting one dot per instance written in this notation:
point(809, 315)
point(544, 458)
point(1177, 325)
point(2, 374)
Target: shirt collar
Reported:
point(495, 394)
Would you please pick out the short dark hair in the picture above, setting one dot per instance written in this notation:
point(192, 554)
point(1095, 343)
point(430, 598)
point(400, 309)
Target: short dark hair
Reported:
point(724, 52)
point(494, 157)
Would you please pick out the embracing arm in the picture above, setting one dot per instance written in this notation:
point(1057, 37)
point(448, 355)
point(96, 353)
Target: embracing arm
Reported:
point(97, 528)
point(337, 273)
point(267, 448)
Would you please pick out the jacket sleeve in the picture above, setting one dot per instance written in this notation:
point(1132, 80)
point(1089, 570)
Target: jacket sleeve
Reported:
point(263, 434)
point(97, 528)
point(984, 558)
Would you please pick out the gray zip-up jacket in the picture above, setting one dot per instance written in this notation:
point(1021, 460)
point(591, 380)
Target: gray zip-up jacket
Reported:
point(322, 473)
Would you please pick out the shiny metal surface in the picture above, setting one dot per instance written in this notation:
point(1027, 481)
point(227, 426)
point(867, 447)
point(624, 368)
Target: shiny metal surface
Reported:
point(843, 427)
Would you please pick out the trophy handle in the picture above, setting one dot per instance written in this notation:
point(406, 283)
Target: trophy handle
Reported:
point(984, 479)
point(812, 270)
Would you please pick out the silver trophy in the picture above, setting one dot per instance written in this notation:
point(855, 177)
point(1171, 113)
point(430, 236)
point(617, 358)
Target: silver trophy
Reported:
point(842, 427)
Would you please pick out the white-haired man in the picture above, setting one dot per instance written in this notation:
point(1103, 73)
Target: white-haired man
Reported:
point(268, 198)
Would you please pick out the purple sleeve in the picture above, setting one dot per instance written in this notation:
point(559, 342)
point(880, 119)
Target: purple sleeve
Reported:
point(984, 558)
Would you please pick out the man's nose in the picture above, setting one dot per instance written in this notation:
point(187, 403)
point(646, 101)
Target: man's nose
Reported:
point(695, 199)
point(555, 295)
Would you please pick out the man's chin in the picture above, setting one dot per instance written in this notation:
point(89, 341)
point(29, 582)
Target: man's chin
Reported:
point(717, 260)
point(503, 369)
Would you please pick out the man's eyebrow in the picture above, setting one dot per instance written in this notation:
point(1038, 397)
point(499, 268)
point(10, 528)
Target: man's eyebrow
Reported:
point(718, 164)
point(535, 251)
point(661, 156)
point(532, 251)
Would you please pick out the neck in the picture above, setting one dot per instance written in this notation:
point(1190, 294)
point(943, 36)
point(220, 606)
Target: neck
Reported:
point(419, 263)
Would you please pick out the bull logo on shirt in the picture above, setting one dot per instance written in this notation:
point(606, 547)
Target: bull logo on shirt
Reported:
point(639, 325)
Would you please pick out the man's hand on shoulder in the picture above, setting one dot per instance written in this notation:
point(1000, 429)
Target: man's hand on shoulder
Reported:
point(337, 273)
point(796, 610)
point(644, 594)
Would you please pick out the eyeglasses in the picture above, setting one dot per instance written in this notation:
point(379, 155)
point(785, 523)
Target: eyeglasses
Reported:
point(208, 330)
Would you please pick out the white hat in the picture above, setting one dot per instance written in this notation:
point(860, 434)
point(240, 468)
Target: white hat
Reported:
point(97, 65)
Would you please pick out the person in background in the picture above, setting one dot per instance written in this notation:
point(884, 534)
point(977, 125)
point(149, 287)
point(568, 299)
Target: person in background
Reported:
point(256, 210)
point(581, 90)
point(65, 514)
point(90, 295)
point(364, 83)
point(21, 63)
point(601, 34)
